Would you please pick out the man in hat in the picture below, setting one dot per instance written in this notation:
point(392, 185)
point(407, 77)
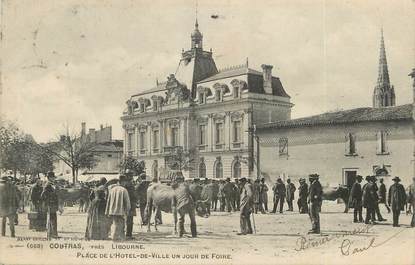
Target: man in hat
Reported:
point(141, 189)
point(237, 195)
point(290, 187)
point(355, 199)
point(377, 211)
point(257, 196)
point(228, 192)
point(133, 202)
point(315, 199)
point(411, 200)
point(302, 196)
point(183, 204)
point(279, 195)
point(382, 195)
point(118, 206)
point(246, 207)
point(263, 195)
point(368, 200)
point(396, 199)
point(8, 205)
point(50, 197)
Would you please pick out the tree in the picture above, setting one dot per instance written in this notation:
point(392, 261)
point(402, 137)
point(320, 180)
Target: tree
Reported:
point(75, 151)
point(133, 164)
point(180, 159)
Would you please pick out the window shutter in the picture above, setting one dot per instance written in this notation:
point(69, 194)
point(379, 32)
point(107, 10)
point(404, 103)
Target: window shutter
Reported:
point(347, 144)
point(353, 143)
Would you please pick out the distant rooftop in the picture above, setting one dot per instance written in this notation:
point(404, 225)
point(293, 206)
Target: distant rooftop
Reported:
point(402, 112)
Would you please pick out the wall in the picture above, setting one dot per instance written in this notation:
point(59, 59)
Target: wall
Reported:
point(321, 149)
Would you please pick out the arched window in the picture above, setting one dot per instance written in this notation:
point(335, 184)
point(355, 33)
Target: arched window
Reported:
point(218, 169)
point(236, 170)
point(202, 170)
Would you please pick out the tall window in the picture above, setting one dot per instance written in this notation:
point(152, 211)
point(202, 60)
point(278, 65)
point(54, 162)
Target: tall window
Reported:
point(156, 138)
point(202, 134)
point(155, 105)
point(218, 170)
point(236, 170)
point(142, 140)
point(142, 107)
point(202, 170)
point(219, 133)
point(381, 143)
point(350, 144)
point(237, 131)
point(283, 146)
point(174, 136)
point(130, 141)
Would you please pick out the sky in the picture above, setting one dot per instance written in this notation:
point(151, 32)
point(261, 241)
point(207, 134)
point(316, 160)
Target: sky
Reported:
point(65, 62)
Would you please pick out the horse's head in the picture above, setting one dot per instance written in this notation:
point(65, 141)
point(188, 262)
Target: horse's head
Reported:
point(202, 208)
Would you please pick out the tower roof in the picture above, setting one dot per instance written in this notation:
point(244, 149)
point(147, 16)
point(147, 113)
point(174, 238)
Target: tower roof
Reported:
point(196, 33)
point(383, 73)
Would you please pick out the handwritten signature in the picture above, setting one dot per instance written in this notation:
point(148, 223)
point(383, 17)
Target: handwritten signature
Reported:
point(347, 248)
point(304, 243)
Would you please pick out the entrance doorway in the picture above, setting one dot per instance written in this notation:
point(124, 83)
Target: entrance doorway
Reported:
point(349, 176)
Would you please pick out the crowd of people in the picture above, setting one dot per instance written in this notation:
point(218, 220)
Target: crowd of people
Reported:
point(113, 203)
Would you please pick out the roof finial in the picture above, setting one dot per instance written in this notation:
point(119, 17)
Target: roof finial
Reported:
point(196, 24)
point(247, 62)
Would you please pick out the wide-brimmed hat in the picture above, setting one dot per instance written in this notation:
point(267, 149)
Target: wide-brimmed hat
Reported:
point(242, 179)
point(396, 178)
point(359, 177)
point(368, 178)
point(51, 175)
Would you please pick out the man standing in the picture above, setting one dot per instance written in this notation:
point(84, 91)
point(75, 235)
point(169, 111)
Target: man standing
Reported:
point(355, 199)
point(183, 204)
point(303, 195)
point(228, 193)
point(411, 200)
point(246, 207)
point(118, 206)
point(50, 197)
point(263, 195)
point(256, 190)
point(221, 195)
point(132, 212)
point(279, 195)
point(368, 200)
point(38, 213)
point(141, 189)
point(290, 194)
point(315, 199)
point(377, 211)
point(8, 205)
point(382, 195)
point(396, 199)
point(237, 195)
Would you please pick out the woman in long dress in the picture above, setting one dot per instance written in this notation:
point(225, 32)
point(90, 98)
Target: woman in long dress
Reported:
point(97, 224)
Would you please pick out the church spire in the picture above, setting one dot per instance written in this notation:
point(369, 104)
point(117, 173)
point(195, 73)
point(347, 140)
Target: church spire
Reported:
point(384, 93)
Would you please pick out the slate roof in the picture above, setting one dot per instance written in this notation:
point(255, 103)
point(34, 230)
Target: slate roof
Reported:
point(402, 112)
point(161, 86)
point(225, 73)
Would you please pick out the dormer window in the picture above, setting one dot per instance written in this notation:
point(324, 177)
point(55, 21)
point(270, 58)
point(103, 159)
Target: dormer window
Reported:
point(201, 98)
point(218, 96)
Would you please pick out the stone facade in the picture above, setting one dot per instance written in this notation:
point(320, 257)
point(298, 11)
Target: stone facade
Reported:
point(204, 111)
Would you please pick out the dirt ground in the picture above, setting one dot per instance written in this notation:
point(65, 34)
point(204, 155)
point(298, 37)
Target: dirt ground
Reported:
point(279, 239)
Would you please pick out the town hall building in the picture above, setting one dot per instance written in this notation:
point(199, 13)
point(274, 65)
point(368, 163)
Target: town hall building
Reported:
point(205, 114)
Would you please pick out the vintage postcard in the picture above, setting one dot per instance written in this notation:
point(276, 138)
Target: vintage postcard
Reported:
point(207, 132)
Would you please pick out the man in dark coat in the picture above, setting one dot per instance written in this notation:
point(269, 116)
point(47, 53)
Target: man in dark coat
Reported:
point(302, 196)
point(377, 211)
point(228, 193)
point(141, 190)
point(133, 202)
point(315, 199)
point(290, 194)
point(263, 195)
point(382, 195)
point(368, 200)
point(396, 199)
point(411, 200)
point(279, 195)
point(50, 197)
point(237, 195)
point(355, 200)
point(37, 209)
point(246, 207)
point(257, 197)
point(8, 205)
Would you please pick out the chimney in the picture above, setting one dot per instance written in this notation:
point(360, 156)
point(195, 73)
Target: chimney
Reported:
point(83, 130)
point(101, 126)
point(267, 76)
